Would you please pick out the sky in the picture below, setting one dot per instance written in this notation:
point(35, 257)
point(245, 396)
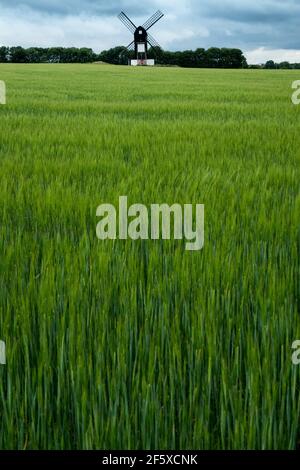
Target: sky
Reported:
point(263, 29)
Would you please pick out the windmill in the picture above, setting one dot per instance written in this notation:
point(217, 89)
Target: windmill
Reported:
point(141, 37)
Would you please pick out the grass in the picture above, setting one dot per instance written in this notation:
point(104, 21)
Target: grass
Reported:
point(142, 345)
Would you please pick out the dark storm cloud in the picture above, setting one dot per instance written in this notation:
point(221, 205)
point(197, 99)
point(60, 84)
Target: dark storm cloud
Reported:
point(251, 23)
point(68, 7)
point(246, 11)
point(248, 24)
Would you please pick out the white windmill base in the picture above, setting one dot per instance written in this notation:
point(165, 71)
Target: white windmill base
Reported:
point(148, 62)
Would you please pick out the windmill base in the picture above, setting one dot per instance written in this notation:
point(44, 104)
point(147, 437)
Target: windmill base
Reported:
point(143, 63)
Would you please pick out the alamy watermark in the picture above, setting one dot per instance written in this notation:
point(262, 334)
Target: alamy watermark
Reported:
point(296, 94)
point(2, 92)
point(2, 353)
point(296, 354)
point(165, 222)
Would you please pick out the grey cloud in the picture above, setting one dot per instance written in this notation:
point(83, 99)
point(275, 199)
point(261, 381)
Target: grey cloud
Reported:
point(248, 11)
point(248, 24)
point(72, 7)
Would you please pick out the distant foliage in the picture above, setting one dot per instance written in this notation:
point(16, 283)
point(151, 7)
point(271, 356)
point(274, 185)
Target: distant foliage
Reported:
point(211, 58)
point(271, 65)
point(36, 55)
point(200, 58)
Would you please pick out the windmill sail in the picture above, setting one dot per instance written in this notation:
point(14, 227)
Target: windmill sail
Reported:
point(152, 41)
point(127, 22)
point(154, 19)
point(141, 37)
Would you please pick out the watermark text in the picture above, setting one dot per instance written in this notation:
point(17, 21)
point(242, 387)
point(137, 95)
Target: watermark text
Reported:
point(165, 222)
point(2, 353)
point(296, 354)
point(2, 92)
point(296, 94)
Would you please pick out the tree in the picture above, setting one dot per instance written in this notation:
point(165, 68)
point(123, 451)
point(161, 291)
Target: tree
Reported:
point(270, 65)
point(213, 57)
point(86, 55)
point(4, 54)
point(118, 56)
point(34, 55)
point(200, 57)
point(18, 55)
point(232, 59)
point(285, 65)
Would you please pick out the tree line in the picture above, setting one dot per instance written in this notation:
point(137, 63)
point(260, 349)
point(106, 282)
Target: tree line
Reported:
point(213, 57)
point(271, 65)
point(35, 55)
point(208, 58)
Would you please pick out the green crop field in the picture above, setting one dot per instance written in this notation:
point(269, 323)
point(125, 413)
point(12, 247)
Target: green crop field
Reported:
point(141, 344)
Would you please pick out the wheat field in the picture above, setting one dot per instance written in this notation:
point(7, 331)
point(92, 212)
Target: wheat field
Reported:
point(141, 344)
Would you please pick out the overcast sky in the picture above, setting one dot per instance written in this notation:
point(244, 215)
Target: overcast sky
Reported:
point(263, 29)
